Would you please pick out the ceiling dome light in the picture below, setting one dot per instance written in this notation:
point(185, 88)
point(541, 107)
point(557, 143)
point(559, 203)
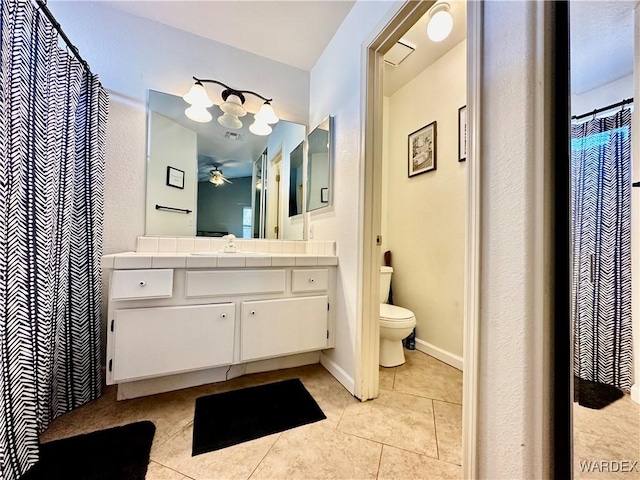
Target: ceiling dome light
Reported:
point(229, 121)
point(198, 96)
point(260, 128)
point(266, 114)
point(198, 114)
point(440, 22)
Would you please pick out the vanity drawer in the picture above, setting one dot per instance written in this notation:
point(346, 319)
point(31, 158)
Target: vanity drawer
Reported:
point(238, 282)
point(309, 280)
point(139, 284)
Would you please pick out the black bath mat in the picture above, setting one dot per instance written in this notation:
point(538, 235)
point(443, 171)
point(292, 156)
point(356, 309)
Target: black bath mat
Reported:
point(229, 418)
point(594, 395)
point(120, 453)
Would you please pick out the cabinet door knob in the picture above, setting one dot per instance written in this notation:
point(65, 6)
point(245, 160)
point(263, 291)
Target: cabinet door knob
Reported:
point(142, 283)
point(311, 280)
point(253, 312)
point(224, 315)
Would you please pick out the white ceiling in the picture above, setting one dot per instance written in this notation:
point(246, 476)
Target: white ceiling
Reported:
point(294, 32)
point(601, 42)
point(427, 52)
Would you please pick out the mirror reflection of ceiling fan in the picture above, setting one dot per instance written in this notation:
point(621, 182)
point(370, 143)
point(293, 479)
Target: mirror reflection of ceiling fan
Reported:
point(217, 177)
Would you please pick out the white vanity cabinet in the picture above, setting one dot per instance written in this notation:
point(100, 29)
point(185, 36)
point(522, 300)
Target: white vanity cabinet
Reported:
point(161, 340)
point(284, 326)
point(167, 322)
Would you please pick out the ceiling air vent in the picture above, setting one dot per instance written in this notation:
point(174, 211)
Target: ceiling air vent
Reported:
point(234, 136)
point(401, 50)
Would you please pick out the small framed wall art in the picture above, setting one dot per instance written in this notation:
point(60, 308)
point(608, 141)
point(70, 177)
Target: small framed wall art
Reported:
point(462, 134)
point(175, 177)
point(422, 150)
point(324, 195)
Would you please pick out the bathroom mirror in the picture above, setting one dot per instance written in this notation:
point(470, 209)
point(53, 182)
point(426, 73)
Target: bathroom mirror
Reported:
point(296, 181)
point(320, 166)
point(207, 180)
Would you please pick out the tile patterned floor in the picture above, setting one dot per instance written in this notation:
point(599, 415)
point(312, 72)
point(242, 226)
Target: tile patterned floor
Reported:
point(611, 434)
point(412, 431)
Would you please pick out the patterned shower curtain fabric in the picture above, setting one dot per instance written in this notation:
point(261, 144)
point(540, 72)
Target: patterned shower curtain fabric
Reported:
point(601, 204)
point(53, 116)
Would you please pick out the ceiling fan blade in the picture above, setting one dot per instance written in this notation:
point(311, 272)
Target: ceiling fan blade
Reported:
point(223, 178)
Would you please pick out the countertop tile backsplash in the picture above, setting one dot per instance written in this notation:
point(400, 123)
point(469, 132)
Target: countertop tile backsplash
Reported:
point(200, 244)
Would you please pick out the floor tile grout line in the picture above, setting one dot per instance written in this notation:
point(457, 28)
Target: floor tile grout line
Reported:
point(379, 461)
point(435, 428)
point(422, 396)
point(169, 437)
point(410, 451)
point(265, 455)
point(384, 444)
point(169, 468)
point(447, 401)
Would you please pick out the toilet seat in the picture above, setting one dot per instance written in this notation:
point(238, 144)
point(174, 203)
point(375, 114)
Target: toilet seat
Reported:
point(392, 316)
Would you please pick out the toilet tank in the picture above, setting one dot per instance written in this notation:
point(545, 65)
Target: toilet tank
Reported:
point(385, 283)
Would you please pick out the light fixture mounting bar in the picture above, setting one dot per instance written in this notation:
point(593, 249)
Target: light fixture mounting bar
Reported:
point(232, 90)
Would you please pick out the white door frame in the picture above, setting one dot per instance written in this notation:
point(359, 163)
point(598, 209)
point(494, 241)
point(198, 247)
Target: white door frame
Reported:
point(273, 216)
point(368, 339)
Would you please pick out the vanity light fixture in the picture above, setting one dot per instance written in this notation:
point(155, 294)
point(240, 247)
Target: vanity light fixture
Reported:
point(440, 22)
point(232, 107)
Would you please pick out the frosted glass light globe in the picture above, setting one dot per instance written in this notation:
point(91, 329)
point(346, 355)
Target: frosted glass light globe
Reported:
point(198, 114)
point(260, 128)
point(266, 114)
point(229, 121)
point(440, 25)
point(198, 96)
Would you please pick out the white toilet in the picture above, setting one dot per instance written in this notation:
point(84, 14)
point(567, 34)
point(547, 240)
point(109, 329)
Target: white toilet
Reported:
point(396, 323)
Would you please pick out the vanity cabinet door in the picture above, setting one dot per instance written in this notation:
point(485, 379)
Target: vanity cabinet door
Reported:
point(149, 342)
point(272, 328)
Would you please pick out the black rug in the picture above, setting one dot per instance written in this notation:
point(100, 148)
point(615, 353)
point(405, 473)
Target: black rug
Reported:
point(229, 418)
point(594, 395)
point(120, 453)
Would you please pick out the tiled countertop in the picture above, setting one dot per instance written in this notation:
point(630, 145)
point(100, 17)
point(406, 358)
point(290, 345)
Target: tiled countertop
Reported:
point(135, 260)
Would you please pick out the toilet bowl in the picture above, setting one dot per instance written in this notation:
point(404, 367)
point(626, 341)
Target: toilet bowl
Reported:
point(396, 323)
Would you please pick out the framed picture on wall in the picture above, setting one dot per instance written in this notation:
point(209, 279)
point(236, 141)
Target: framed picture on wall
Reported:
point(324, 195)
point(462, 134)
point(175, 177)
point(422, 150)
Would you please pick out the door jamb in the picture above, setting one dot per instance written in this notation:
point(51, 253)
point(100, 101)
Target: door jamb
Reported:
point(368, 340)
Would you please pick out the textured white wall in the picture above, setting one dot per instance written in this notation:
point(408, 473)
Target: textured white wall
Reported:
point(426, 213)
point(602, 96)
point(336, 89)
point(512, 408)
point(175, 146)
point(131, 55)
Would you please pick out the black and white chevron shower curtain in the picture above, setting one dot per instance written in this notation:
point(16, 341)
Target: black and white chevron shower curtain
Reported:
point(601, 203)
point(53, 115)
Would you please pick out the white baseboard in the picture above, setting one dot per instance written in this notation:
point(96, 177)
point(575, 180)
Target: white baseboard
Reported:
point(447, 357)
point(167, 383)
point(334, 369)
point(635, 392)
